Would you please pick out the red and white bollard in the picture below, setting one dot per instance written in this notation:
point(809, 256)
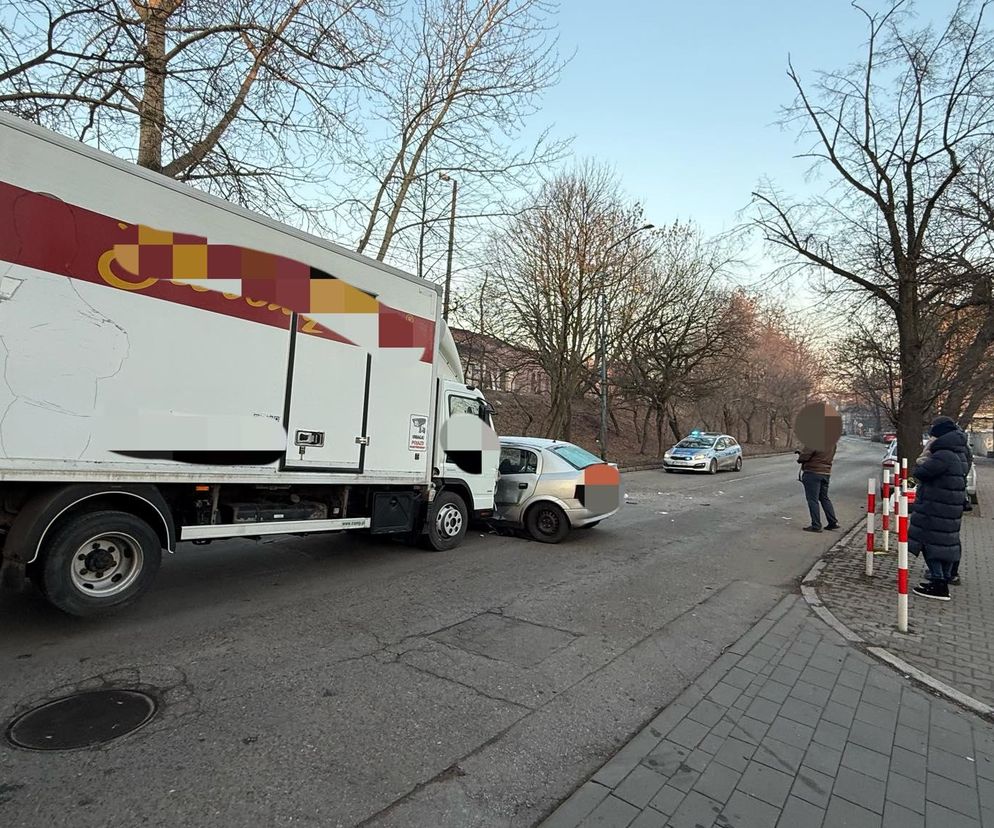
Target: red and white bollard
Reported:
point(902, 565)
point(871, 509)
point(885, 517)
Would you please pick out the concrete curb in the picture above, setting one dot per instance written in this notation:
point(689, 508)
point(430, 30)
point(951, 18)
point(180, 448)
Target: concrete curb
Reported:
point(810, 595)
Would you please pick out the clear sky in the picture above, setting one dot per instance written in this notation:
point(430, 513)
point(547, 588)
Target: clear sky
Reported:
point(683, 96)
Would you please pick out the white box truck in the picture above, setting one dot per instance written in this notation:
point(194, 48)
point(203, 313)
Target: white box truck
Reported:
point(175, 368)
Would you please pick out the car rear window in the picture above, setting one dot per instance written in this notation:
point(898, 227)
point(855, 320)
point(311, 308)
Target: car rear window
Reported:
point(577, 457)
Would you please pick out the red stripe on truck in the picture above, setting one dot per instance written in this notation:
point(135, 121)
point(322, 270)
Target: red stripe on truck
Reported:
point(45, 233)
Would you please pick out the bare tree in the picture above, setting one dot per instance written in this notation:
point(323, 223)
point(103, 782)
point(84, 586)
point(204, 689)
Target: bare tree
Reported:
point(898, 132)
point(682, 325)
point(241, 98)
point(452, 95)
point(578, 241)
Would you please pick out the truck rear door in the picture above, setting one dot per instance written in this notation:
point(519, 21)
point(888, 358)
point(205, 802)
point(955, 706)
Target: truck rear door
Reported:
point(327, 405)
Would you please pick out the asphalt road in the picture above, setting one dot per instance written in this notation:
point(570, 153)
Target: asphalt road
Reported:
point(333, 681)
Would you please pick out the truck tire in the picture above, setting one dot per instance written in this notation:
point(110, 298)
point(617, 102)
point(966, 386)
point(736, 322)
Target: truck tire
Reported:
point(97, 562)
point(546, 523)
point(448, 519)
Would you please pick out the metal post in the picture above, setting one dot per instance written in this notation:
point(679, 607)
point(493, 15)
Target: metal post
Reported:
point(902, 564)
point(602, 326)
point(886, 510)
point(871, 508)
point(452, 239)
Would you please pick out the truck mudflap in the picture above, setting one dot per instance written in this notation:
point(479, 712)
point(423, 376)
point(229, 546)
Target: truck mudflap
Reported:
point(27, 534)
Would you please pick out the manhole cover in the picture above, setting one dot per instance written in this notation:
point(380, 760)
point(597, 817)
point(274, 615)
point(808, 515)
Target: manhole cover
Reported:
point(82, 720)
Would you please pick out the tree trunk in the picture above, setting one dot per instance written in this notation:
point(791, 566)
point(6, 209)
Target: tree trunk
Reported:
point(614, 419)
point(153, 105)
point(644, 431)
point(911, 405)
point(561, 414)
point(675, 425)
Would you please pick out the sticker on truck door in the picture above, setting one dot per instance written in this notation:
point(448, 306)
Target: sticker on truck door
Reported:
point(419, 433)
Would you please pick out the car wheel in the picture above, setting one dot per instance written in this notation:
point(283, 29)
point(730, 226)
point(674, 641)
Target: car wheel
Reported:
point(98, 562)
point(713, 468)
point(547, 523)
point(974, 499)
point(447, 523)
point(738, 464)
point(668, 471)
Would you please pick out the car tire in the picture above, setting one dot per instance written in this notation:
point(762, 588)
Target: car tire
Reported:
point(974, 499)
point(738, 464)
point(448, 520)
point(125, 546)
point(546, 523)
point(668, 471)
point(713, 468)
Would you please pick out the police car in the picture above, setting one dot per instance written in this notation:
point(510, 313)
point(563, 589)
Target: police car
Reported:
point(704, 451)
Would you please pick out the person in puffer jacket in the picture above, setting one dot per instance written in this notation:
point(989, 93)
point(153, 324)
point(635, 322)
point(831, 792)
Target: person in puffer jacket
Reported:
point(934, 526)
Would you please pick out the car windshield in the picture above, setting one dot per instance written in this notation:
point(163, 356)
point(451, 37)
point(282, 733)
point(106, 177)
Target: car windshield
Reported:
point(577, 457)
point(696, 442)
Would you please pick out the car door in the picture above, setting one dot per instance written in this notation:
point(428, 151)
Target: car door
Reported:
point(731, 452)
point(519, 472)
point(721, 450)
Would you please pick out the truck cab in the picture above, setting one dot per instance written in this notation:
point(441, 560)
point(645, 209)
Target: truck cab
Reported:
point(457, 400)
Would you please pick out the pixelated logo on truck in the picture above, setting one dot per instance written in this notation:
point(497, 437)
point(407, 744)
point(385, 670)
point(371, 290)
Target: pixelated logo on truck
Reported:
point(42, 232)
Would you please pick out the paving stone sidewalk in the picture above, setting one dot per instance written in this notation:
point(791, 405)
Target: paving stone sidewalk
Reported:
point(793, 727)
point(954, 641)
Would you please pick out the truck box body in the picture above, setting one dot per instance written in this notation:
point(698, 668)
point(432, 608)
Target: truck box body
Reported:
point(176, 368)
point(142, 321)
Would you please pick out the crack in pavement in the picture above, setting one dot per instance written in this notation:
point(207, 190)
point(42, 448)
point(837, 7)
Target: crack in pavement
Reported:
point(441, 777)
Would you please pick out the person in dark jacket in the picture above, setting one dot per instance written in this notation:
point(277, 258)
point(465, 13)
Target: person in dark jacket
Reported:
point(816, 472)
point(934, 526)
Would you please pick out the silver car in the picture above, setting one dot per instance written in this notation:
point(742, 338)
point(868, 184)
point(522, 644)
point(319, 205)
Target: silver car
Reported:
point(704, 451)
point(541, 488)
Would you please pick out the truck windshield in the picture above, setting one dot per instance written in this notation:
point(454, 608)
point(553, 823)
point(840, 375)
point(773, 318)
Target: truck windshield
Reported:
point(577, 457)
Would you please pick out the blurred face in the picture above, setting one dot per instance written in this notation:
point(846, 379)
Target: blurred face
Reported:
point(818, 426)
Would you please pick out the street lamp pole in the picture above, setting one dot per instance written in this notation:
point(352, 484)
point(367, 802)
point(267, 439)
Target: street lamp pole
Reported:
point(602, 330)
point(452, 239)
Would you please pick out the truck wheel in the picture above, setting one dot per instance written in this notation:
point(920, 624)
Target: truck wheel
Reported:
point(448, 520)
point(99, 561)
point(547, 523)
